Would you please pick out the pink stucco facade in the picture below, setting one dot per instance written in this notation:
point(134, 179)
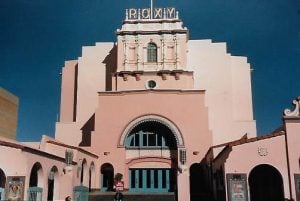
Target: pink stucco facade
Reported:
point(172, 115)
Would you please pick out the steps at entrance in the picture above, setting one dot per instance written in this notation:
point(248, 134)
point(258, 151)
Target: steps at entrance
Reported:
point(109, 196)
point(202, 197)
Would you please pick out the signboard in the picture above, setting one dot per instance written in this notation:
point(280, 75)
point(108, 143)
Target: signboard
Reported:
point(119, 186)
point(237, 187)
point(15, 188)
point(148, 13)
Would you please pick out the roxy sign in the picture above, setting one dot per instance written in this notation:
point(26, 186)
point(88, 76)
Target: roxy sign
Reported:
point(148, 13)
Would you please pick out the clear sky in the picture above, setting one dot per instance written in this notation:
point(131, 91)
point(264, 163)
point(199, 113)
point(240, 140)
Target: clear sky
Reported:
point(37, 36)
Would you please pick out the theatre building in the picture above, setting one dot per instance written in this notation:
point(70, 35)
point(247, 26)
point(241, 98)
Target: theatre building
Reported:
point(172, 115)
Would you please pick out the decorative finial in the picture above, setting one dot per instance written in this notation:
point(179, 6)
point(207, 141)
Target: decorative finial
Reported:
point(151, 9)
point(296, 111)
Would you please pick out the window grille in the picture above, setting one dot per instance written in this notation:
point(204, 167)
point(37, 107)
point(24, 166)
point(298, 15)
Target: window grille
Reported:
point(152, 53)
point(182, 156)
point(69, 156)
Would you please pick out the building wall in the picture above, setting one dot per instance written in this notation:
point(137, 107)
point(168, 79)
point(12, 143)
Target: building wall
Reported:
point(183, 80)
point(19, 160)
point(227, 81)
point(79, 94)
point(117, 110)
point(292, 132)
point(244, 158)
point(109, 81)
point(9, 104)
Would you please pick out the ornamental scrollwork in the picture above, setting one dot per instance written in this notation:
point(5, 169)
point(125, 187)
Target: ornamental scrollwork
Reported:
point(262, 151)
point(296, 111)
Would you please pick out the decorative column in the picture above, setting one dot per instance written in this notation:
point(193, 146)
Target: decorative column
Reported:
point(125, 53)
point(138, 52)
point(176, 52)
point(163, 51)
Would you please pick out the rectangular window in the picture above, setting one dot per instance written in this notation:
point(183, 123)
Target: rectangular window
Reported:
point(148, 178)
point(140, 178)
point(151, 139)
point(137, 140)
point(132, 178)
point(159, 140)
point(145, 140)
point(164, 179)
point(155, 178)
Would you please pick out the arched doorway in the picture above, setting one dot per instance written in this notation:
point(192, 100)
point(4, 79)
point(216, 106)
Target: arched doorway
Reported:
point(107, 177)
point(91, 176)
point(266, 183)
point(53, 184)
point(2, 184)
point(36, 182)
point(199, 182)
point(83, 173)
point(36, 176)
point(153, 139)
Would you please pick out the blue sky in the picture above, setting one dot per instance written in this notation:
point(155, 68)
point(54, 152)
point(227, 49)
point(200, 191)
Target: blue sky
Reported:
point(37, 36)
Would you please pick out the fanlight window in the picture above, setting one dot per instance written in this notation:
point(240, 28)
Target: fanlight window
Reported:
point(150, 135)
point(147, 140)
point(152, 53)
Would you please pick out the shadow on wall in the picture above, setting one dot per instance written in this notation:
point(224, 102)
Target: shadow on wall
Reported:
point(110, 62)
point(87, 129)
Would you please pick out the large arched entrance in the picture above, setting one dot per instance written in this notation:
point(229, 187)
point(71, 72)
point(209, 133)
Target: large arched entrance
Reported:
point(2, 184)
point(266, 183)
point(147, 143)
point(107, 177)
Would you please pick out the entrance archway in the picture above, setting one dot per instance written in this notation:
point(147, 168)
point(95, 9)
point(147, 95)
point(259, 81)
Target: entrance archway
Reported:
point(107, 177)
point(266, 183)
point(2, 184)
point(152, 139)
point(36, 176)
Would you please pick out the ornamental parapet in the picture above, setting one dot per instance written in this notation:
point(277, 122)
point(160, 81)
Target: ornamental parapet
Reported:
point(295, 113)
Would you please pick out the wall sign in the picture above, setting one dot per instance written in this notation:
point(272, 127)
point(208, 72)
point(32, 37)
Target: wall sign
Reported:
point(15, 188)
point(237, 187)
point(297, 186)
point(148, 13)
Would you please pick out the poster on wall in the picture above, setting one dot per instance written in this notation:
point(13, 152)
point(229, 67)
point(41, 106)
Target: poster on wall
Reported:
point(297, 186)
point(14, 190)
point(237, 187)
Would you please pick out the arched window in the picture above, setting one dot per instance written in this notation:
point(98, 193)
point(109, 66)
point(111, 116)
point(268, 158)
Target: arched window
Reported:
point(151, 135)
point(152, 53)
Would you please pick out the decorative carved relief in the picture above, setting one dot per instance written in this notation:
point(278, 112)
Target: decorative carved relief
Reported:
point(296, 111)
point(262, 151)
